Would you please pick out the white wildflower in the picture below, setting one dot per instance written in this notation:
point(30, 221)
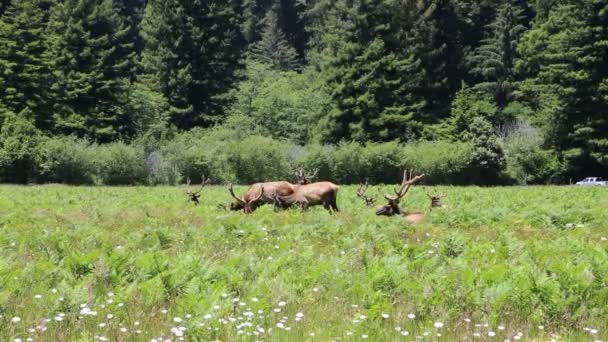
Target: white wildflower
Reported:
point(411, 316)
point(438, 325)
point(16, 319)
point(385, 315)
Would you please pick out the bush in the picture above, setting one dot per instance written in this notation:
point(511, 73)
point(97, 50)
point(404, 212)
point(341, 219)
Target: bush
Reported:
point(256, 159)
point(121, 164)
point(18, 142)
point(526, 161)
point(442, 162)
point(66, 160)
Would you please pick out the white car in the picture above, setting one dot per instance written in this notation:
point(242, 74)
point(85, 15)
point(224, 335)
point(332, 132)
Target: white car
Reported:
point(592, 181)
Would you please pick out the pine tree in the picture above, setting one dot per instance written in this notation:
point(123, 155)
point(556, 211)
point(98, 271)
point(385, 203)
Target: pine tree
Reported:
point(24, 61)
point(273, 48)
point(374, 83)
point(93, 62)
point(493, 62)
point(566, 58)
point(191, 55)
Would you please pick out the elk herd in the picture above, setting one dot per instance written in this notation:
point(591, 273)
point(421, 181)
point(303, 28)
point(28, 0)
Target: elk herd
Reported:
point(304, 194)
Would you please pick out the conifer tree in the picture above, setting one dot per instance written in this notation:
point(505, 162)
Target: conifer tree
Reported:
point(93, 62)
point(24, 61)
point(566, 57)
point(493, 62)
point(273, 48)
point(191, 55)
point(374, 83)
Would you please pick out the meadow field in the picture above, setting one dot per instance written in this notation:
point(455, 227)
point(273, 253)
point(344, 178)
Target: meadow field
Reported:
point(143, 263)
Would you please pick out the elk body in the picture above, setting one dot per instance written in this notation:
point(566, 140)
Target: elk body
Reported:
point(392, 207)
point(259, 194)
point(320, 193)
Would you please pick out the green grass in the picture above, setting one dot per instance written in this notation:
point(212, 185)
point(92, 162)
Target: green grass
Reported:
point(516, 258)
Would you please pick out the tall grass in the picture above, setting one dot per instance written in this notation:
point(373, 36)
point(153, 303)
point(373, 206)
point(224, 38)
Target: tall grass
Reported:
point(498, 261)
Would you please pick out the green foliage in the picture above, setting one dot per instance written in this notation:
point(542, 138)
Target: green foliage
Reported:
point(282, 105)
point(24, 61)
point(565, 55)
point(191, 54)
point(273, 48)
point(66, 160)
point(488, 156)
point(19, 139)
point(93, 64)
point(133, 253)
point(494, 60)
point(526, 160)
point(121, 164)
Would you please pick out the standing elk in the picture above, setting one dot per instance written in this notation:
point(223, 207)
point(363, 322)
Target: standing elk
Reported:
point(248, 203)
point(319, 193)
point(392, 208)
point(195, 195)
point(271, 189)
point(369, 201)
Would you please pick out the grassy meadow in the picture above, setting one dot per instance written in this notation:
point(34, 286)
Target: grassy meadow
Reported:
point(142, 263)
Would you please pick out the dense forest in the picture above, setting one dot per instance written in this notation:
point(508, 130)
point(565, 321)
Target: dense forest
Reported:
point(150, 91)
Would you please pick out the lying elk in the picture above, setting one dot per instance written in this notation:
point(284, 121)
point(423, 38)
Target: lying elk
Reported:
point(369, 201)
point(271, 189)
point(392, 208)
point(195, 195)
point(320, 193)
point(436, 202)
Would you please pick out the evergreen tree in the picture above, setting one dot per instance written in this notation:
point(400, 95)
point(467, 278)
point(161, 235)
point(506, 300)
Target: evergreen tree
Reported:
point(566, 57)
point(273, 48)
point(93, 61)
point(24, 61)
point(191, 54)
point(494, 61)
point(373, 81)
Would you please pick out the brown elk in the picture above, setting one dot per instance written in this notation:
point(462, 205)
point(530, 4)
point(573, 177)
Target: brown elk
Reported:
point(319, 193)
point(271, 190)
point(195, 195)
point(392, 208)
point(369, 201)
point(436, 202)
point(249, 202)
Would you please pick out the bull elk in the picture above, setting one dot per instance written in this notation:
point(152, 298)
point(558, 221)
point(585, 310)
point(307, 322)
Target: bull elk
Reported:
point(392, 208)
point(436, 198)
point(271, 189)
point(248, 203)
point(319, 193)
point(303, 178)
point(195, 195)
point(369, 201)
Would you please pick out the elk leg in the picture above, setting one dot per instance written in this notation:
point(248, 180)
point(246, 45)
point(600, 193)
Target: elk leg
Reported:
point(334, 205)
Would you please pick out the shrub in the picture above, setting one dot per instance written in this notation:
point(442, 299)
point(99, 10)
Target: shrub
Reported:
point(66, 160)
point(441, 161)
point(121, 164)
point(18, 142)
point(526, 161)
point(256, 159)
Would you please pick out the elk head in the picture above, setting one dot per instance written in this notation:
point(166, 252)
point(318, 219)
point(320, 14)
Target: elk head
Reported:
point(195, 195)
point(369, 201)
point(303, 178)
point(392, 207)
point(249, 205)
point(436, 200)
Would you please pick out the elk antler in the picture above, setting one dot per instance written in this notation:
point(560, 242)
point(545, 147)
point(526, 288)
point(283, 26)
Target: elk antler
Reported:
point(313, 175)
point(260, 195)
point(406, 183)
point(361, 194)
point(231, 190)
point(195, 195)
